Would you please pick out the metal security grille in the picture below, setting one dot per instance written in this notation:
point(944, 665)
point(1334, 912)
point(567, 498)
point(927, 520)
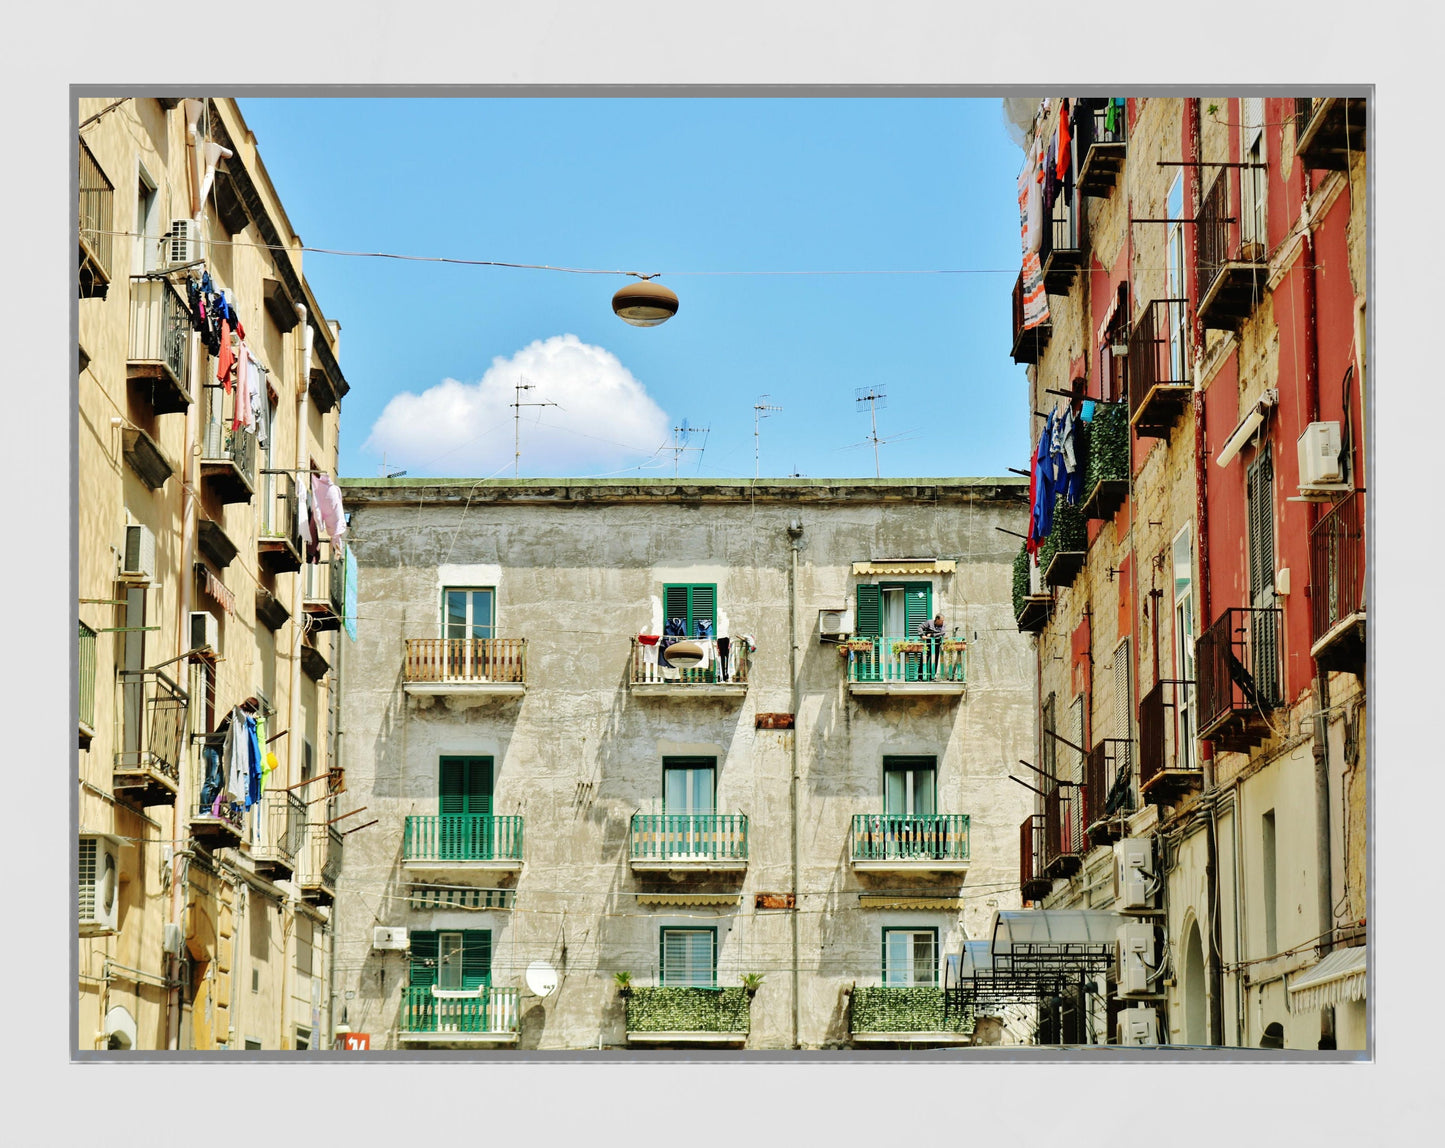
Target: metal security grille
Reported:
point(87, 879)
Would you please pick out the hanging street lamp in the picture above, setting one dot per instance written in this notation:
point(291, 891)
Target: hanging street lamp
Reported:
point(644, 304)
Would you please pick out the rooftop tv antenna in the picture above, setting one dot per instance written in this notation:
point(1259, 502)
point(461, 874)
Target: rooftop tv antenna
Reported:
point(875, 396)
point(761, 410)
point(517, 405)
point(681, 438)
point(383, 472)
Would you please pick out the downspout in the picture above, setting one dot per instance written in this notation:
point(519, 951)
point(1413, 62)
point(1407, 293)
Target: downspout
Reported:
point(1215, 971)
point(298, 584)
point(1324, 877)
point(795, 533)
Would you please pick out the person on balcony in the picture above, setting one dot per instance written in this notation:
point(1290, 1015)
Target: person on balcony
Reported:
point(932, 635)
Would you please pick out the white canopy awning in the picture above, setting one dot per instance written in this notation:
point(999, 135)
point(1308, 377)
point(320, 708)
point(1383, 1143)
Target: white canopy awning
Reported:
point(1056, 926)
point(1338, 978)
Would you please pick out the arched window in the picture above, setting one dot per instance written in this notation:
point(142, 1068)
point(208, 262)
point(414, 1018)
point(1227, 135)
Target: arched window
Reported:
point(1273, 1036)
point(1195, 1017)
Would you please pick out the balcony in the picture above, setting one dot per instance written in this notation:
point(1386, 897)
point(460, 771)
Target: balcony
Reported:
point(86, 666)
point(689, 842)
point(906, 1014)
point(462, 842)
point(1103, 150)
point(279, 548)
point(1159, 387)
point(479, 667)
point(283, 835)
point(1033, 882)
point(160, 340)
point(214, 543)
point(1064, 840)
point(271, 612)
point(152, 731)
point(323, 595)
point(1106, 468)
point(484, 1015)
point(144, 456)
point(1329, 131)
point(1061, 253)
point(1108, 789)
point(314, 663)
point(228, 462)
point(97, 203)
point(1238, 665)
point(910, 843)
point(716, 678)
point(319, 863)
point(1062, 555)
point(1337, 587)
point(1032, 604)
point(1029, 342)
point(1168, 764)
point(688, 1014)
point(904, 665)
point(1232, 273)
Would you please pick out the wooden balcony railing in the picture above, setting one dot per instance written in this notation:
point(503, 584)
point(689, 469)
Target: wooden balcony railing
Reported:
point(486, 1009)
point(1238, 664)
point(1337, 569)
point(696, 837)
point(97, 205)
point(462, 837)
point(646, 668)
point(1166, 735)
point(906, 659)
point(910, 837)
point(466, 660)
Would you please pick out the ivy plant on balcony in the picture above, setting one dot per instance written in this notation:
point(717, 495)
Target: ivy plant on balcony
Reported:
point(678, 1008)
point(1021, 580)
point(1107, 455)
point(1070, 533)
point(912, 1009)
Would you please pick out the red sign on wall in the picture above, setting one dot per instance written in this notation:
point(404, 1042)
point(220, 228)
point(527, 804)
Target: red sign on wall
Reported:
point(354, 1041)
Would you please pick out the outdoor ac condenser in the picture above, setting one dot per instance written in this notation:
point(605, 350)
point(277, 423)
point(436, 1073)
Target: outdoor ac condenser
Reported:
point(182, 242)
point(1136, 957)
point(1319, 454)
point(1137, 1026)
point(1132, 869)
point(389, 937)
point(835, 623)
point(138, 557)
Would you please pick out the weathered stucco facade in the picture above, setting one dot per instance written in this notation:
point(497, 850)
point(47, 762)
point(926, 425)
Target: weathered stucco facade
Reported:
point(578, 570)
point(218, 936)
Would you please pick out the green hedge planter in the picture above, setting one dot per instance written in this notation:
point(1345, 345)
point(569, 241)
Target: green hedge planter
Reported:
point(1106, 469)
point(914, 1009)
point(1070, 535)
point(670, 1008)
point(1021, 580)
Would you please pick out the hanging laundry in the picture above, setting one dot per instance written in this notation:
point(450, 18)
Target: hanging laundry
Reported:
point(1086, 413)
point(317, 525)
point(723, 647)
point(1031, 227)
point(704, 628)
point(253, 764)
point(212, 777)
point(226, 358)
point(648, 642)
point(328, 498)
point(1051, 176)
point(676, 629)
point(238, 756)
point(260, 405)
point(1065, 156)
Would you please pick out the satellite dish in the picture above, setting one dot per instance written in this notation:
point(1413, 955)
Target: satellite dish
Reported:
point(541, 978)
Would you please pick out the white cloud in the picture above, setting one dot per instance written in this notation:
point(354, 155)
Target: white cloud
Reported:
point(604, 418)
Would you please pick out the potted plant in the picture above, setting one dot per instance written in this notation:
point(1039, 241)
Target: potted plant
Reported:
point(624, 984)
point(907, 646)
point(855, 646)
point(952, 645)
point(751, 983)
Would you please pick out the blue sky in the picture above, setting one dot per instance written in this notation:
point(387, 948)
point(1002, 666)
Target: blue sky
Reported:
point(677, 186)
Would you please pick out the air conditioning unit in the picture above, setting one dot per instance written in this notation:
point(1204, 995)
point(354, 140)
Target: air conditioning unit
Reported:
point(1319, 454)
point(1132, 872)
point(1135, 943)
point(835, 623)
point(1137, 1026)
point(205, 631)
point(171, 938)
point(182, 242)
point(138, 555)
point(99, 886)
point(389, 937)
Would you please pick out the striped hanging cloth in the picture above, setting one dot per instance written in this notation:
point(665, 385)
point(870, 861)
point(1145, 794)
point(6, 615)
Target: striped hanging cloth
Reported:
point(1031, 225)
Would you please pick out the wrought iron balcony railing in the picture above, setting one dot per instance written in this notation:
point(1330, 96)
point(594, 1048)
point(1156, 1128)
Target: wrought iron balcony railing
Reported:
point(159, 344)
point(729, 667)
point(1064, 840)
point(1337, 578)
point(87, 680)
point(906, 659)
point(691, 837)
point(910, 837)
point(1159, 383)
point(1033, 882)
point(1238, 664)
point(487, 1009)
point(462, 837)
point(1166, 734)
point(97, 204)
point(152, 719)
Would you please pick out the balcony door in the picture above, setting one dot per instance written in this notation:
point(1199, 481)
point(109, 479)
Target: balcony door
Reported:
point(1263, 638)
point(1177, 317)
point(467, 612)
point(909, 786)
point(465, 805)
point(1184, 648)
point(910, 957)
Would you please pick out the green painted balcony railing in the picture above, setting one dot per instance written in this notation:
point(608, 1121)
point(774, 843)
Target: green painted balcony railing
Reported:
point(679, 1008)
point(87, 676)
point(689, 837)
point(462, 837)
point(910, 837)
point(906, 659)
point(486, 1009)
point(902, 1009)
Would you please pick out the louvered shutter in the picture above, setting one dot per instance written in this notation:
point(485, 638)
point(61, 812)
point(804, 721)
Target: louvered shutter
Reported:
point(1261, 530)
point(466, 785)
point(423, 958)
point(476, 958)
point(917, 606)
point(675, 603)
point(703, 608)
point(1123, 709)
point(1251, 115)
point(868, 622)
point(479, 785)
point(453, 786)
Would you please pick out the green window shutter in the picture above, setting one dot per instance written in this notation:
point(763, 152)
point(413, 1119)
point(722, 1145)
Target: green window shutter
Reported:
point(869, 619)
point(452, 786)
point(466, 785)
point(704, 608)
point(476, 958)
point(676, 602)
point(423, 958)
point(917, 606)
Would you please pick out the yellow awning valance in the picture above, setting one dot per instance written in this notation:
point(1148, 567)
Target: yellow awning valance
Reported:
point(906, 566)
point(890, 901)
point(689, 898)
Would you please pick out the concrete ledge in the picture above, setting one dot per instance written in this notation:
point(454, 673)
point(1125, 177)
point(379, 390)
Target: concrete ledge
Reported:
point(912, 1038)
point(687, 1037)
point(466, 689)
point(686, 865)
point(498, 865)
point(441, 1037)
point(915, 689)
point(908, 865)
point(680, 691)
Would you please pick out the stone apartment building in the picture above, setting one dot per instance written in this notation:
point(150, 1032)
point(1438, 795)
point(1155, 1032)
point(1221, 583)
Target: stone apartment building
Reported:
point(680, 751)
point(1199, 612)
point(202, 924)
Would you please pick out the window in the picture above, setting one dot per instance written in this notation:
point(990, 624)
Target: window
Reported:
point(689, 785)
point(303, 1037)
point(468, 612)
point(252, 1043)
point(693, 607)
point(308, 759)
point(1252, 185)
point(457, 959)
point(1270, 878)
point(1184, 642)
point(147, 219)
point(1123, 703)
point(1178, 318)
point(893, 609)
point(1259, 496)
point(1048, 747)
point(255, 980)
point(465, 786)
point(133, 662)
point(910, 957)
point(689, 957)
point(909, 787)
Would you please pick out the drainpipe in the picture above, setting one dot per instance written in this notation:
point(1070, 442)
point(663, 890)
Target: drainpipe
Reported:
point(298, 584)
point(795, 533)
point(1324, 877)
